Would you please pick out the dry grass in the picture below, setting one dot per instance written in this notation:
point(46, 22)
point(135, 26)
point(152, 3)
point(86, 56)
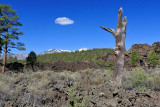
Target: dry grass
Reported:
point(140, 80)
point(32, 88)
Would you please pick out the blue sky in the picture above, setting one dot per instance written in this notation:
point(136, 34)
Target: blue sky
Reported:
point(42, 33)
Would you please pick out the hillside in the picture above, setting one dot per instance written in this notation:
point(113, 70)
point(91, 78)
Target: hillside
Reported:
point(77, 56)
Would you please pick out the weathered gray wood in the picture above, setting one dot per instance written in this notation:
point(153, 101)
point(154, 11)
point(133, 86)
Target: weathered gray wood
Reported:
point(119, 51)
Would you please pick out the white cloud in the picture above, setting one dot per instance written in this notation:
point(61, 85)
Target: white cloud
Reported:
point(64, 21)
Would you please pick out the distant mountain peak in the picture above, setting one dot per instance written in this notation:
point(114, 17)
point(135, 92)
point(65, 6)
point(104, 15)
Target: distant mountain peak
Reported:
point(50, 49)
point(21, 56)
point(83, 49)
point(53, 51)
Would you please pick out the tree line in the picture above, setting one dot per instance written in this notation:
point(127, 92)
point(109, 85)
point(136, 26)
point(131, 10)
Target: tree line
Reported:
point(80, 56)
point(77, 56)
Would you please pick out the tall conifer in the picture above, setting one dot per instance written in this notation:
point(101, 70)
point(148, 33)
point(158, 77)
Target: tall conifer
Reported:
point(9, 30)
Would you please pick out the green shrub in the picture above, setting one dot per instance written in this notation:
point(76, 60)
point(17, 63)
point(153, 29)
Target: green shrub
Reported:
point(134, 58)
point(153, 59)
point(138, 78)
point(74, 99)
point(143, 88)
point(96, 80)
point(100, 63)
point(22, 61)
point(109, 73)
point(110, 64)
point(141, 80)
point(11, 59)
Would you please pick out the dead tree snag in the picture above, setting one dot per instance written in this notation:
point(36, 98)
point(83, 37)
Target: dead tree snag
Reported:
point(119, 51)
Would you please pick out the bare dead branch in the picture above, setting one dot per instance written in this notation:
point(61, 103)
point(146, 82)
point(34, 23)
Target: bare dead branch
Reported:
point(119, 24)
point(125, 19)
point(109, 30)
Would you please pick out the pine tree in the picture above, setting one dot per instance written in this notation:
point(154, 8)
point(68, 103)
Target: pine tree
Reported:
point(1, 31)
point(10, 59)
point(153, 59)
point(134, 58)
point(31, 59)
point(9, 30)
point(1, 44)
point(15, 59)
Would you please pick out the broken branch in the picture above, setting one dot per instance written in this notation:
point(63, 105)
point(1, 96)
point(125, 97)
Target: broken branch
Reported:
point(109, 30)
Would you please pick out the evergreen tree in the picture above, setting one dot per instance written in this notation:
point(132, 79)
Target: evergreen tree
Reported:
point(9, 30)
point(1, 31)
point(15, 59)
point(10, 59)
point(31, 59)
point(134, 58)
point(1, 44)
point(153, 59)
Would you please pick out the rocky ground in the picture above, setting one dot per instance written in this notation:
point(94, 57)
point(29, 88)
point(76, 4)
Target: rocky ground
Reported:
point(89, 87)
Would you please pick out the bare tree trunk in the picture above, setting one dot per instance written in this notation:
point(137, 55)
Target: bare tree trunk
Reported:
point(5, 53)
point(119, 51)
point(32, 67)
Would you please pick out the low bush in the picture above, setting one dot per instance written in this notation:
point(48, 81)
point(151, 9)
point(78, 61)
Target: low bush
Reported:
point(74, 100)
point(139, 79)
point(110, 64)
point(100, 63)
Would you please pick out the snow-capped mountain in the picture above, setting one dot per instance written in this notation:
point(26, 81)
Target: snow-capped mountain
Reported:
point(59, 51)
point(83, 49)
point(21, 56)
point(53, 51)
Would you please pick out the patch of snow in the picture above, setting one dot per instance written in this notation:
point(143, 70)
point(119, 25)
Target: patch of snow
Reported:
point(50, 49)
point(83, 49)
